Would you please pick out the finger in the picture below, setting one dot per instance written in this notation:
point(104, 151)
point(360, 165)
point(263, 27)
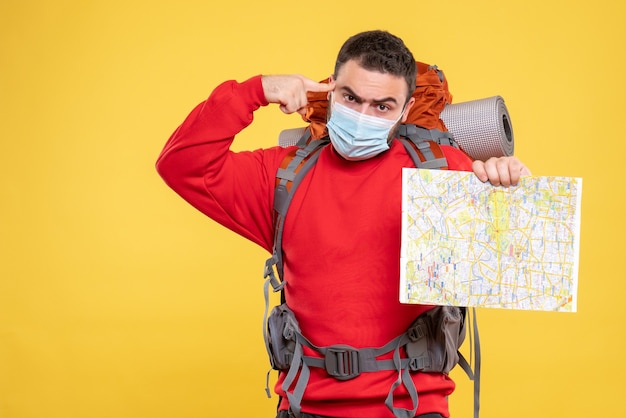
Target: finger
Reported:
point(292, 107)
point(296, 103)
point(302, 111)
point(517, 169)
point(492, 172)
point(495, 171)
point(504, 170)
point(479, 170)
point(315, 87)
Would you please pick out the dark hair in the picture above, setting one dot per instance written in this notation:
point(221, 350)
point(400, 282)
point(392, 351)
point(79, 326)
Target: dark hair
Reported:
point(380, 51)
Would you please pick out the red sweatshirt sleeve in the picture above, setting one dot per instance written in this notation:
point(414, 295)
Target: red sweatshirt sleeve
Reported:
point(233, 188)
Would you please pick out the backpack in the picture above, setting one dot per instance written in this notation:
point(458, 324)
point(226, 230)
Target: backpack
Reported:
point(421, 135)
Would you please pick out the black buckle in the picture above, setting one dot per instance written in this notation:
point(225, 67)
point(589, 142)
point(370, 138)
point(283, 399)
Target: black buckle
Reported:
point(418, 363)
point(342, 362)
point(416, 332)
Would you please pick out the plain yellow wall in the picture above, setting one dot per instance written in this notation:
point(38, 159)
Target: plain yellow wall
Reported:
point(117, 299)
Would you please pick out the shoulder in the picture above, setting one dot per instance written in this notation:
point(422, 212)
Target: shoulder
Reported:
point(457, 159)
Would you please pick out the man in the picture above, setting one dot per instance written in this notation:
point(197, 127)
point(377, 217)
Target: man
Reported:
point(341, 239)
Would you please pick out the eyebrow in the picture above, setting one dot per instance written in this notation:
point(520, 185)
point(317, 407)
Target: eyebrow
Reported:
point(359, 99)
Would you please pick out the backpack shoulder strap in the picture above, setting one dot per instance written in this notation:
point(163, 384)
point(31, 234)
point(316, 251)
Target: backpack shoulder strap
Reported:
point(293, 168)
point(423, 145)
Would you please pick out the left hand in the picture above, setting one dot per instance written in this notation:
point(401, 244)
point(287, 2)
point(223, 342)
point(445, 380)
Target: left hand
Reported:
point(502, 171)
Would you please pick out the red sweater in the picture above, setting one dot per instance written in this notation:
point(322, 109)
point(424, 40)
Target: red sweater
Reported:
point(341, 241)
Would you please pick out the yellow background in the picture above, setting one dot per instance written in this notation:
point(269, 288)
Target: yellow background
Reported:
point(117, 299)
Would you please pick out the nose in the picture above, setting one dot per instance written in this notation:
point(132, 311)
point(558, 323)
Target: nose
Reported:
point(364, 108)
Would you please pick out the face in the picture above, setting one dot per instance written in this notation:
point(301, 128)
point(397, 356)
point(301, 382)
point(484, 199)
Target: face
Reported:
point(371, 92)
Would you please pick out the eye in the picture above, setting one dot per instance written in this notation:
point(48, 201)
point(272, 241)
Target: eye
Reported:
point(349, 98)
point(382, 108)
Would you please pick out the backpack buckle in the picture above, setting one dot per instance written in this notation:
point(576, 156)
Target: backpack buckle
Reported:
point(416, 332)
point(418, 363)
point(342, 362)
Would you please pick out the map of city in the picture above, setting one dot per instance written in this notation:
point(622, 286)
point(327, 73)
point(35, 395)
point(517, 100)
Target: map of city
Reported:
point(467, 243)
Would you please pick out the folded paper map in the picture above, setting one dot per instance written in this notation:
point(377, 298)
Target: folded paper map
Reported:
point(468, 243)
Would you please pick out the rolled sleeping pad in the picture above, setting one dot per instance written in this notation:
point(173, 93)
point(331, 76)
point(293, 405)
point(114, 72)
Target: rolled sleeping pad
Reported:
point(482, 128)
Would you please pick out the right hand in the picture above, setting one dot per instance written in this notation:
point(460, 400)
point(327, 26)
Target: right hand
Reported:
point(289, 91)
point(502, 171)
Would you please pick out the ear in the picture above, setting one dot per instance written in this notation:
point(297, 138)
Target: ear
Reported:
point(407, 108)
point(331, 80)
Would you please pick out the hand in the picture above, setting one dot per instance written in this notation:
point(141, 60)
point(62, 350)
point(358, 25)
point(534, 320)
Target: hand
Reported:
point(503, 171)
point(290, 91)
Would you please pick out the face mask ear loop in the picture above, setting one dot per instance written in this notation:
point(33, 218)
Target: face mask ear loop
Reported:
point(401, 113)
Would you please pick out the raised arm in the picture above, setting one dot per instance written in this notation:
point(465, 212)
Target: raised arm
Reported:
point(233, 188)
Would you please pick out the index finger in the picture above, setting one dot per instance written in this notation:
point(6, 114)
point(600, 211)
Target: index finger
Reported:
point(315, 87)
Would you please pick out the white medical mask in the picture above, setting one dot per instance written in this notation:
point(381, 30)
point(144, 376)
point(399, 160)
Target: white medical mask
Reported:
point(357, 136)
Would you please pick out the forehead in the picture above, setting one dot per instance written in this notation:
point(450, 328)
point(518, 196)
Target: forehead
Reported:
point(370, 84)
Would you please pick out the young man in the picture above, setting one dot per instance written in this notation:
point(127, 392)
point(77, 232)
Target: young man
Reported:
point(341, 239)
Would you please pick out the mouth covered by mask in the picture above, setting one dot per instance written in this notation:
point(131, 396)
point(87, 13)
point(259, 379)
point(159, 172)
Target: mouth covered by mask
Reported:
point(357, 136)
